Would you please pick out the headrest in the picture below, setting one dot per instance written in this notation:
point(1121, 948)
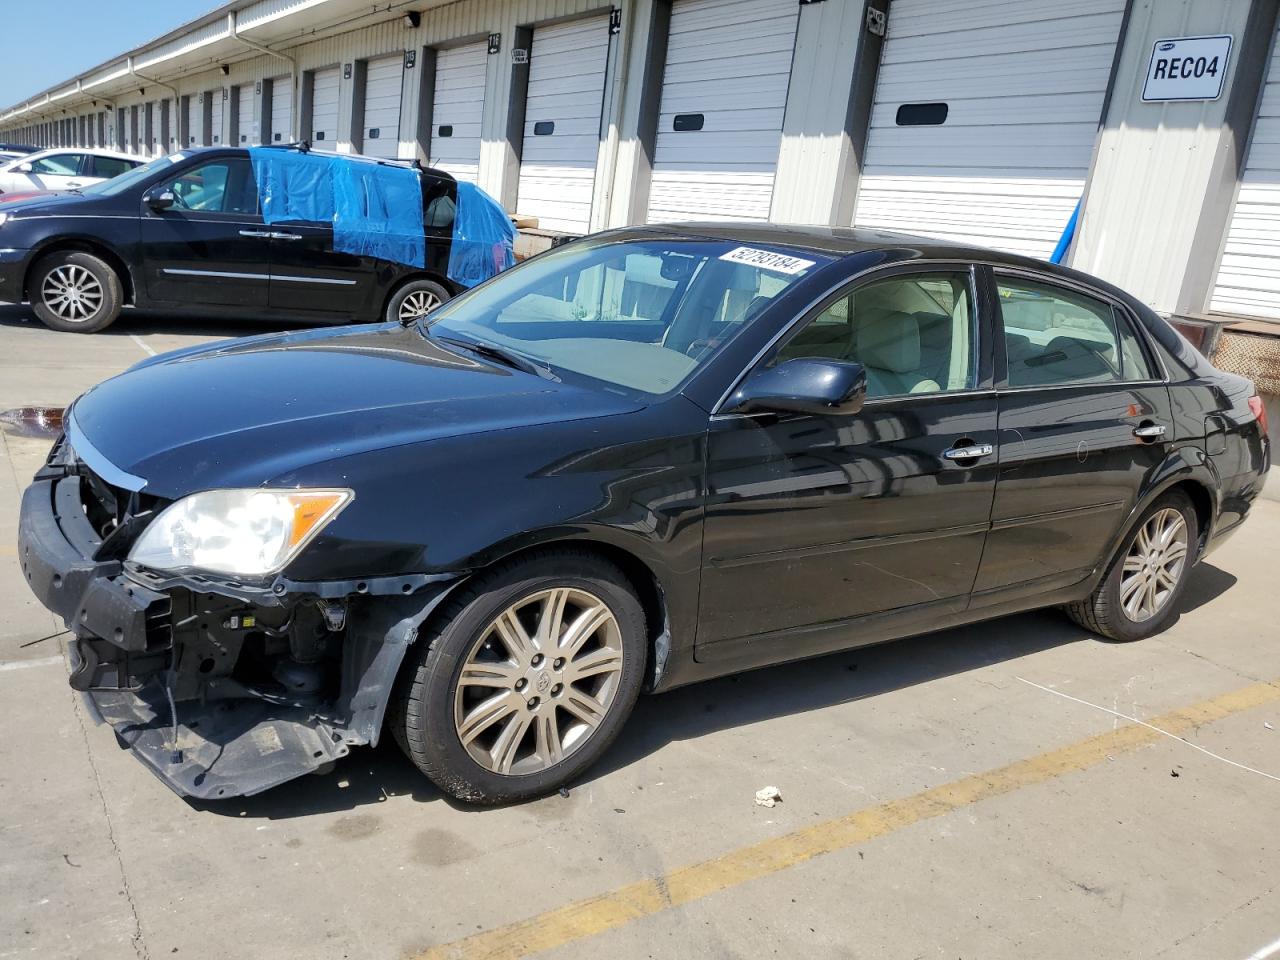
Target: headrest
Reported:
point(890, 341)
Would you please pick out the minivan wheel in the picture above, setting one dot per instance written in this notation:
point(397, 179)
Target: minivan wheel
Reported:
point(527, 679)
point(75, 292)
point(1139, 595)
point(415, 300)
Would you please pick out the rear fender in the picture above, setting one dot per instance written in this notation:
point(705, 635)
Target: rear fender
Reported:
point(1184, 463)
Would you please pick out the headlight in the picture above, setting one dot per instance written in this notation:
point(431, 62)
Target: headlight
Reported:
point(243, 533)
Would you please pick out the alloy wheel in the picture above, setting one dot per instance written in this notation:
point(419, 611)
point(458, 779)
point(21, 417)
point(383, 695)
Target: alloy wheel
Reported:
point(539, 681)
point(1153, 565)
point(418, 304)
point(72, 293)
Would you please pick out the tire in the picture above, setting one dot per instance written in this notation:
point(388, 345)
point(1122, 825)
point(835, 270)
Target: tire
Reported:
point(415, 299)
point(511, 757)
point(1118, 608)
point(75, 292)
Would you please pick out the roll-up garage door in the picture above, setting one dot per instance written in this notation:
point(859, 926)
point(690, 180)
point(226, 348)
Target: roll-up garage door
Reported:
point(457, 109)
point(1249, 275)
point(382, 85)
point(216, 125)
point(562, 123)
point(245, 134)
point(324, 110)
point(724, 93)
point(282, 109)
point(195, 120)
point(985, 118)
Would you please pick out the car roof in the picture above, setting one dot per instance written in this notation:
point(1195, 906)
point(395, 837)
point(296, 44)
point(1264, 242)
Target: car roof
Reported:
point(839, 242)
point(95, 151)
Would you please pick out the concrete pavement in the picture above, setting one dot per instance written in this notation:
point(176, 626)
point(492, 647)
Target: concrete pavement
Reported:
point(1155, 849)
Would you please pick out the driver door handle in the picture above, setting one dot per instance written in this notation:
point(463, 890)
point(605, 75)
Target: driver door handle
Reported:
point(285, 236)
point(257, 233)
point(1149, 431)
point(973, 452)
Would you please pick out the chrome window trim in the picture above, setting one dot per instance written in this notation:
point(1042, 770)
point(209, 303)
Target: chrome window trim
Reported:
point(96, 462)
point(965, 265)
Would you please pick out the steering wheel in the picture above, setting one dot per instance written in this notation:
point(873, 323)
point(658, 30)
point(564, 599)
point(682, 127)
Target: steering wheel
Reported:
point(179, 200)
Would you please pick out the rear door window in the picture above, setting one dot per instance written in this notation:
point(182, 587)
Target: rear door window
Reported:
point(108, 167)
point(1055, 337)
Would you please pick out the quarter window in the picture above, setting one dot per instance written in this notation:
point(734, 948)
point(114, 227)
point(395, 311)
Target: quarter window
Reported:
point(1055, 336)
point(912, 334)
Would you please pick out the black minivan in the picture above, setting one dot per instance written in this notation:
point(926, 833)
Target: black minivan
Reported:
point(185, 234)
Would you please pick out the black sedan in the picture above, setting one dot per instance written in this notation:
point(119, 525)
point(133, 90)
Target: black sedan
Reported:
point(185, 234)
point(643, 459)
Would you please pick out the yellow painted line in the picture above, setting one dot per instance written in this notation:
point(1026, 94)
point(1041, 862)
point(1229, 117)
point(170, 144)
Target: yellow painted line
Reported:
point(8, 550)
point(586, 918)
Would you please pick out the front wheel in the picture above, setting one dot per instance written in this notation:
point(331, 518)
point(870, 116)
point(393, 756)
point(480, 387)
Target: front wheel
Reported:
point(1139, 595)
point(530, 676)
point(415, 300)
point(75, 292)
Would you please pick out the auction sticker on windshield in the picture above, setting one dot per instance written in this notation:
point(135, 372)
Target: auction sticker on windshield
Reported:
point(768, 260)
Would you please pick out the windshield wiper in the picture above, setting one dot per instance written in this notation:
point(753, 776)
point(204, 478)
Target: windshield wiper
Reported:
point(510, 358)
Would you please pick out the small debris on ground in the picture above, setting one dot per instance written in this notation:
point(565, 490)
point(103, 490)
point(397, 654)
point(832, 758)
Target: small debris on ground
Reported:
point(1267, 724)
point(564, 792)
point(768, 796)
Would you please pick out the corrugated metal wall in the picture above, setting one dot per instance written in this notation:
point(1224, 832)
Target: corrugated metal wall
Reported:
point(1155, 161)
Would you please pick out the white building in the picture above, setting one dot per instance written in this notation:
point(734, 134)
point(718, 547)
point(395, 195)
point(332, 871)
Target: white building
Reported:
point(983, 120)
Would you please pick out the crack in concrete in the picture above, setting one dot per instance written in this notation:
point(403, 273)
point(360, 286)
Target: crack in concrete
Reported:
point(1216, 921)
point(139, 944)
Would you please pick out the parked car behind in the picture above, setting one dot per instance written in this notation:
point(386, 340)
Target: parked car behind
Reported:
point(186, 233)
point(646, 458)
point(62, 169)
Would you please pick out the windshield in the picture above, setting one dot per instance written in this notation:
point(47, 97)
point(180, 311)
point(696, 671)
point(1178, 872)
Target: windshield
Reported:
point(118, 185)
point(638, 314)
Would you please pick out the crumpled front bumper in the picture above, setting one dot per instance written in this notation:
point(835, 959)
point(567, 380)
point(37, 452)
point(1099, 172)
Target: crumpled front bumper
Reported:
point(231, 740)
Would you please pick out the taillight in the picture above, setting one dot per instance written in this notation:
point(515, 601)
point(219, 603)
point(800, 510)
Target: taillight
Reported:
point(1260, 411)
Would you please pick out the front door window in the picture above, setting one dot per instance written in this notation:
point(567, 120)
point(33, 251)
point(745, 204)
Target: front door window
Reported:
point(913, 334)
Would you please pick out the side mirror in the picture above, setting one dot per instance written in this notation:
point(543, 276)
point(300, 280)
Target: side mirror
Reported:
point(804, 385)
point(25, 167)
point(161, 200)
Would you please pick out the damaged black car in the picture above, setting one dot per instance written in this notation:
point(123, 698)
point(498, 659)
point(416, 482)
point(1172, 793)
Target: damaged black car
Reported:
point(642, 459)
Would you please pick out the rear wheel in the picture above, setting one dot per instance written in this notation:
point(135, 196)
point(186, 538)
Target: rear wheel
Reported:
point(528, 679)
point(1139, 595)
point(415, 300)
point(75, 292)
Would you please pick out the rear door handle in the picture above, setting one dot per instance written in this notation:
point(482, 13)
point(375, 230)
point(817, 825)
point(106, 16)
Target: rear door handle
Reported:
point(285, 236)
point(256, 233)
point(973, 452)
point(1149, 431)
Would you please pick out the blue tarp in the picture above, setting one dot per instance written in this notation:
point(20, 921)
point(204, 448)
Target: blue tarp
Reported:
point(375, 208)
point(483, 237)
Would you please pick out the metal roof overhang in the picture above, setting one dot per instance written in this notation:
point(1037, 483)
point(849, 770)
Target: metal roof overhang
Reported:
point(207, 43)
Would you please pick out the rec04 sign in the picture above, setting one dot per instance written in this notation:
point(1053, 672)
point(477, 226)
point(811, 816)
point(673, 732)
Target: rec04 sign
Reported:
point(1187, 68)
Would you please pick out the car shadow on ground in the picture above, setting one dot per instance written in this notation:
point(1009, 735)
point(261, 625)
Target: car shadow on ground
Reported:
point(373, 776)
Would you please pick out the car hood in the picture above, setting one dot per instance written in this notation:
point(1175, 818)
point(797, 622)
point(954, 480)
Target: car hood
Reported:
point(245, 412)
point(27, 202)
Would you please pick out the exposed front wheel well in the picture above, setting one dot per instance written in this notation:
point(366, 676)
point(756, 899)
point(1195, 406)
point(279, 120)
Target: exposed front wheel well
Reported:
point(101, 251)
